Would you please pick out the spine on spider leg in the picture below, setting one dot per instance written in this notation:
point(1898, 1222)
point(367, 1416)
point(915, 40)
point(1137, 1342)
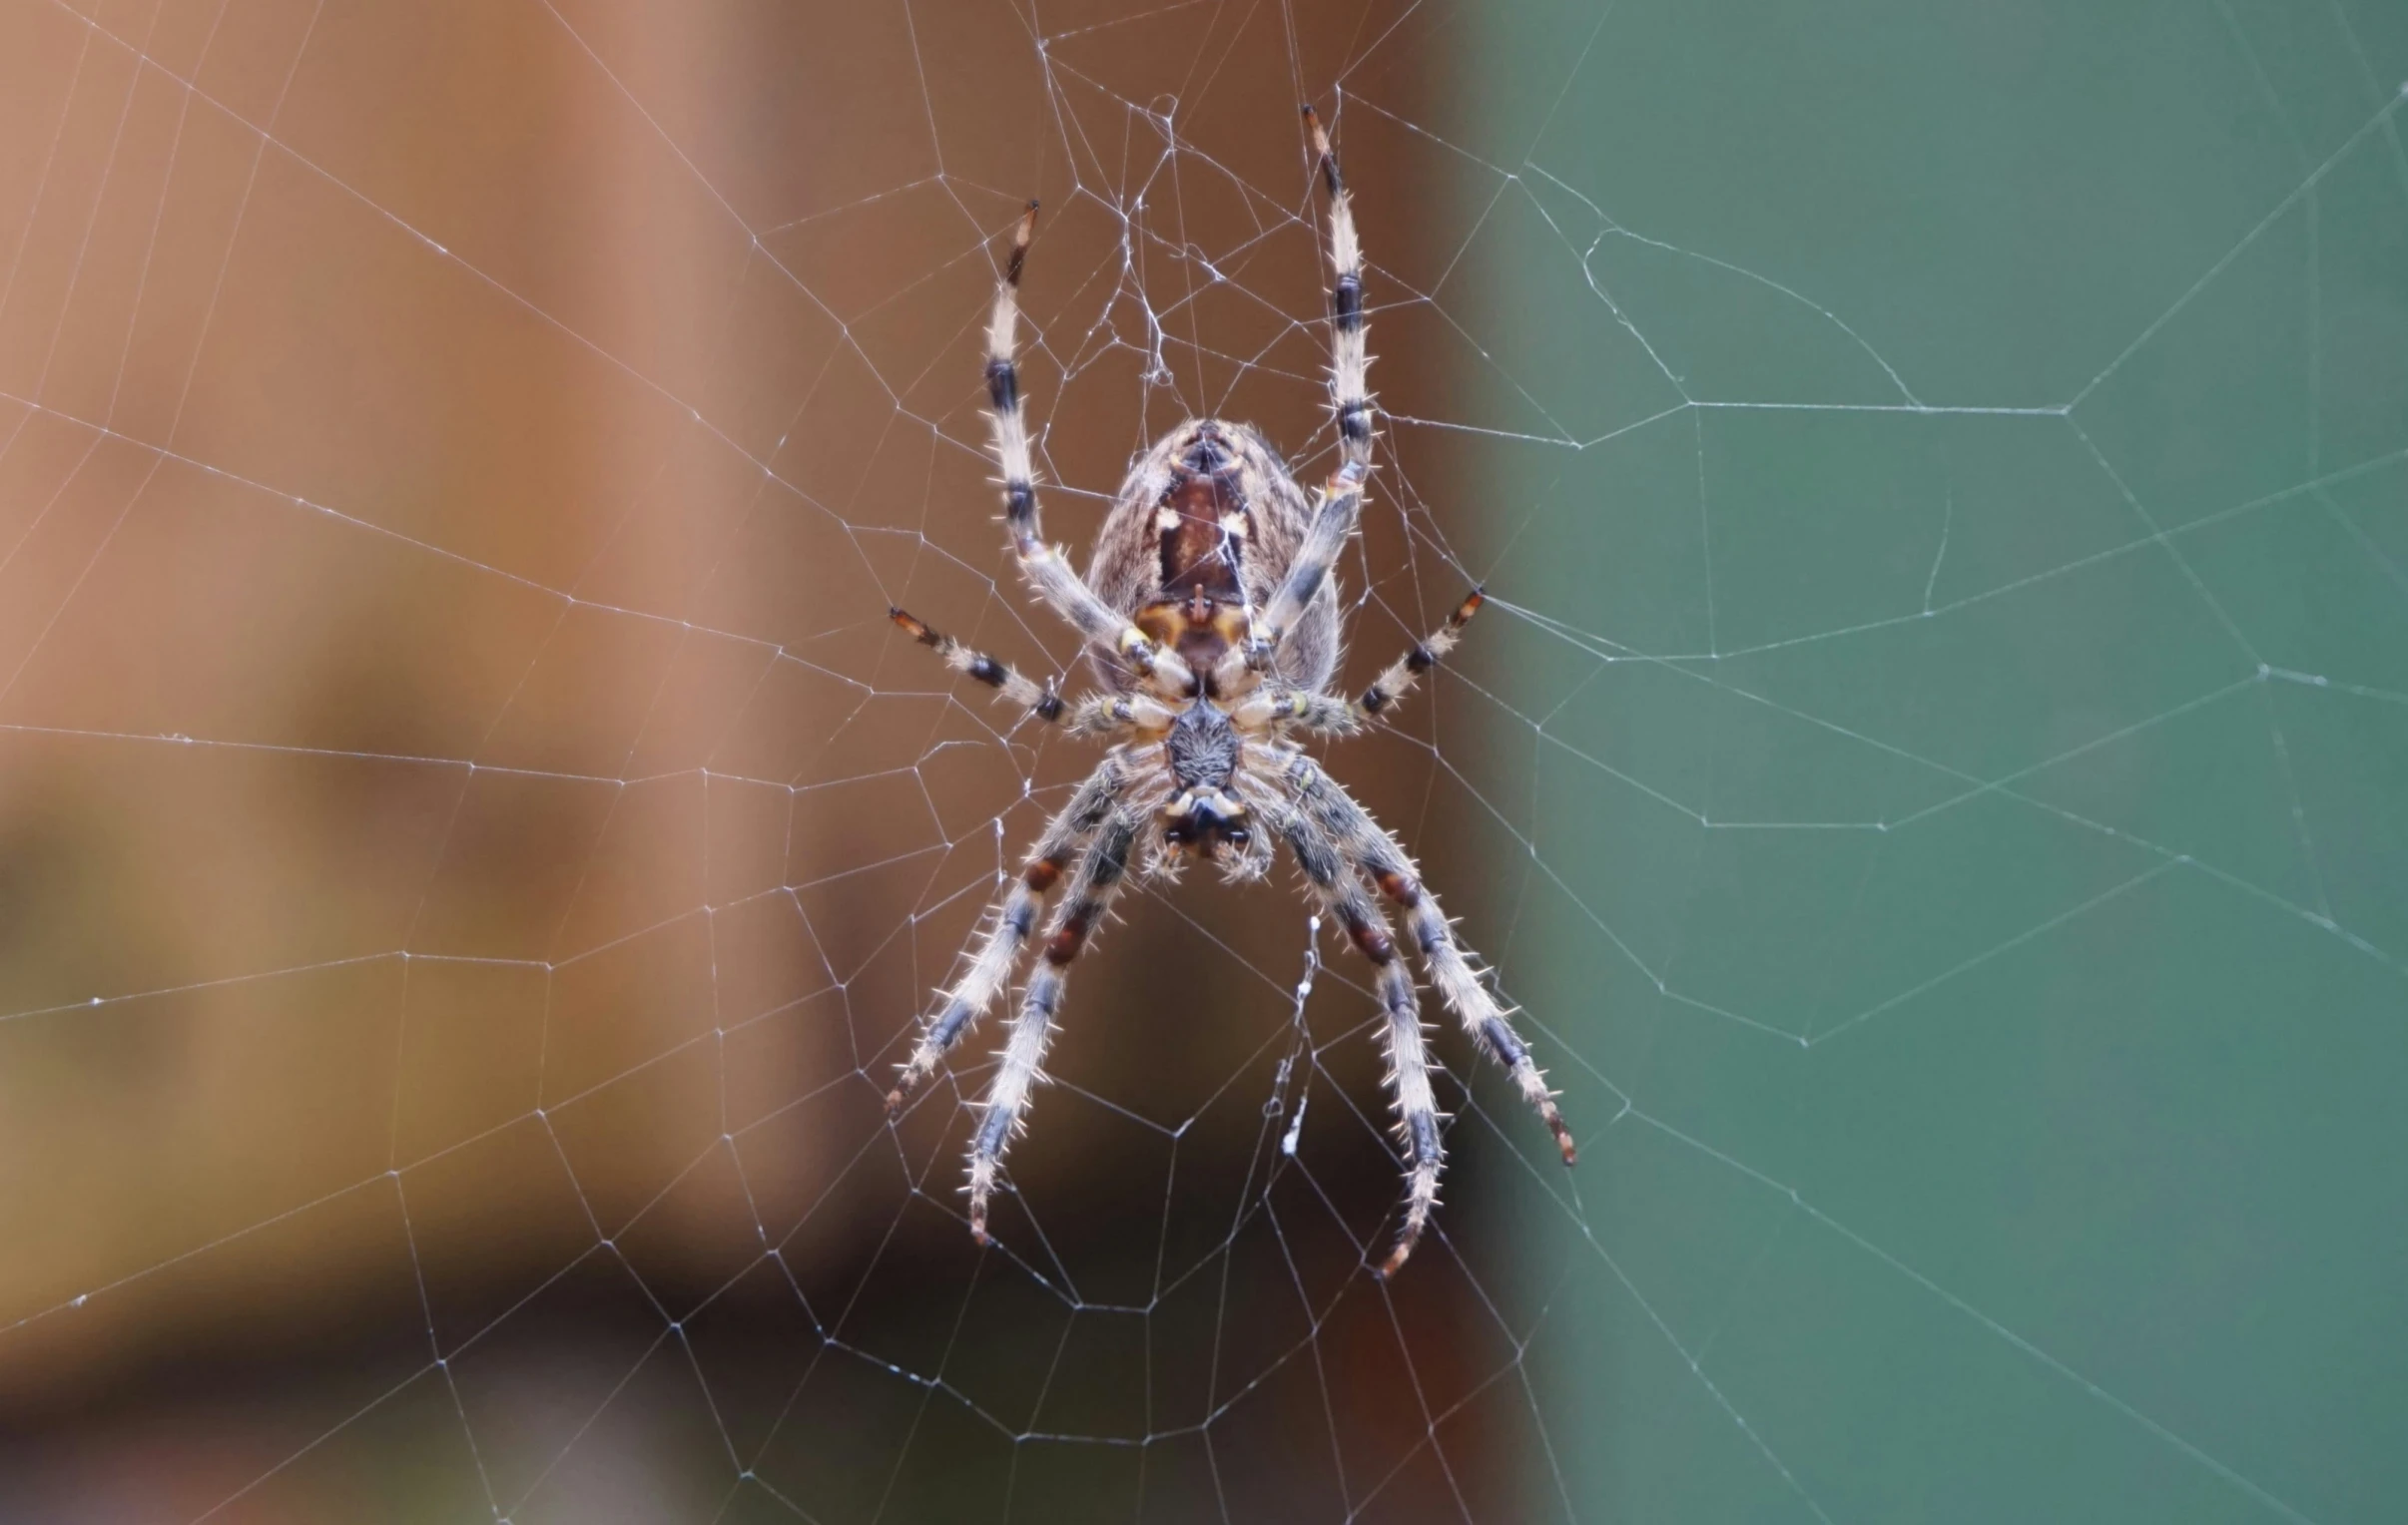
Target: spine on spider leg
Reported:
point(1408, 670)
point(1015, 916)
point(1038, 699)
point(1408, 1064)
point(1003, 395)
point(1041, 563)
point(1333, 522)
point(1021, 1064)
point(1468, 997)
point(1319, 713)
point(1416, 1108)
point(990, 968)
point(1341, 893)
point(1332, 811)
point(1350, 358)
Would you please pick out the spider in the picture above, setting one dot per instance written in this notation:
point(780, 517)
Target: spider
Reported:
point(1211, 616)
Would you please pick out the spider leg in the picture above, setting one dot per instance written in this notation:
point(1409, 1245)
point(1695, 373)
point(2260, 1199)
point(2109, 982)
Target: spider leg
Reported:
point(1350, 356)
point(1339, 888)
point(1333, 519)
point(1093, 890)
point(1302, 709)
point(1383, 859)
point(1350, 401)
point(1037, 699)
point(1014, 919)
point(1046, 566)
point(1406, 669)
point(1329, 715)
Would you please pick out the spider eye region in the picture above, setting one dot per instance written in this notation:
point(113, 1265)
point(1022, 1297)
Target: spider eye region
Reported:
point(1203, 821)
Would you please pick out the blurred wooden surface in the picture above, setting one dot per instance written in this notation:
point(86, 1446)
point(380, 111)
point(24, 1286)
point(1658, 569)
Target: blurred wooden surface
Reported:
point(465, 827)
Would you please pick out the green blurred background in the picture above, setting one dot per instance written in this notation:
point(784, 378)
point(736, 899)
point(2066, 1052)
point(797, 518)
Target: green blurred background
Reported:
point(1934, 769)
point(1961, 732)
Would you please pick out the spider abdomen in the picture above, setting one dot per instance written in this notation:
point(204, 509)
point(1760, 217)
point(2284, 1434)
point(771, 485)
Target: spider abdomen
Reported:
point(1200, 535)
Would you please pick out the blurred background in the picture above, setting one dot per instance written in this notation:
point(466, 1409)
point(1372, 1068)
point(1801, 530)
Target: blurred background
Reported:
point(1934, 767)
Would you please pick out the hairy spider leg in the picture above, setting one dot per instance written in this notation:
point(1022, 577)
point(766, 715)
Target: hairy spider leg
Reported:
point(1406, 671)
point(1047, 570)
point(1009, 683)
point(1383, 859)
point(1339, 890)
point(1010, 921)
point(1302, 709)
point(1102, 873)
point(1341, 503)
point(1333, 518)
point(1330, 714)
point(1350, 352)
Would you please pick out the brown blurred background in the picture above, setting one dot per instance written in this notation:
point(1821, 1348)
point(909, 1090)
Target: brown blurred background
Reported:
point(472, 848)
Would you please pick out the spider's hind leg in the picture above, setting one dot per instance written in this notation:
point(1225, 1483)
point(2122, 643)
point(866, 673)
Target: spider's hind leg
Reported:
point(1383, 859)
point(1021, 1065)
point(1334, 883)
point(1016, 914)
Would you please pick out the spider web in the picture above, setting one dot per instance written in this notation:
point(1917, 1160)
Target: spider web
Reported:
point(475, 851)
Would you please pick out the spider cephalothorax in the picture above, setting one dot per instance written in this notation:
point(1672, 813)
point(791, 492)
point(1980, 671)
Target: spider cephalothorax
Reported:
point(1212, 619)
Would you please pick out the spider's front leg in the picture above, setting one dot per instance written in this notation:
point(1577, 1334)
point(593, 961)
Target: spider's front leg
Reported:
point(1021, 1065)
point(1044, 566)
point(1350, 352)
point(1341, 891)
point(1014, 916)
point(1333, 520)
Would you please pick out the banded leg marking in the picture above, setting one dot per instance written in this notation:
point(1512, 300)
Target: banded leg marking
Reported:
point(1378, 856)
point(1340, 889)
point(1013, 921)
point(1046, 569)
point(1021, 1065)
point(1332, 524)
point(1350, 354)
point(1406, 669)
point(1009, 683)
